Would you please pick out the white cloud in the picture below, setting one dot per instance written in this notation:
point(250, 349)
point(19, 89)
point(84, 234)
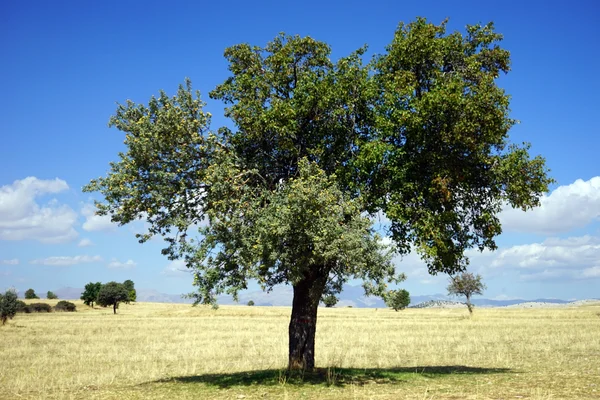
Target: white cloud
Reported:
point(13, 261)
point(117, 264)
point(66, 260)
point(566, 208)
point(553, 258)
point(85, 243)
point(95, 222)
point(22, 218)
point(176, 268)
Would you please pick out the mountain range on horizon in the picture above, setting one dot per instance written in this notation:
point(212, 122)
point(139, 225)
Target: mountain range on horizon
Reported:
point(282, 296)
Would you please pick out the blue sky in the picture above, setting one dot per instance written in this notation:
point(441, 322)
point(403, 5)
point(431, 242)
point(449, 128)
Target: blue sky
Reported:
point(66, 63)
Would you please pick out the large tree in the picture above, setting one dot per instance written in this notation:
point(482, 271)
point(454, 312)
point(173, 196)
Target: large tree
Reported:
point(419, 134)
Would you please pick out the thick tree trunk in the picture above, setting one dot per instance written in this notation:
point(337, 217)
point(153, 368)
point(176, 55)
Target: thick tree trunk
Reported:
point(115, 308)
point(303, 324)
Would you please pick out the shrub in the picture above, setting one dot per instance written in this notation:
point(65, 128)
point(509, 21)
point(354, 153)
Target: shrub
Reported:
point(22, 307)
point(251, 303)
point(329, 300)
point(39, 307)
point(51, 296)
point(30, 294)
point(64, 305)
point(8, 305)
point(397, 299)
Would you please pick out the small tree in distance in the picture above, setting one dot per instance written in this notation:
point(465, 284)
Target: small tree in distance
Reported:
point(397, 299)
point(8, 305)
point(30, 294)
point(129, 285)
point(111, 294)
point(330, 300)
point(51, 296)
point(90, 293)
point(466, 284)
point(251, 303)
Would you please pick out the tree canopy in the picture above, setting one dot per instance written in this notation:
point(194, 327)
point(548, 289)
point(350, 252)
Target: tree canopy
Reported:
point(111, 294)
point(90, 293)
point(419, 134)
point(30, 294)
point(466, 284)
point(397, 299)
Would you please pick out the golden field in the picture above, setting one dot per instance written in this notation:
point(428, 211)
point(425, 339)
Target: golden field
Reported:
point(175, 351)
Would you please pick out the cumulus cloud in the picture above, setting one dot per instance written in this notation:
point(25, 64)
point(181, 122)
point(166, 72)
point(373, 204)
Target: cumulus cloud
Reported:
point(66, 260)
point(22, 218)
point(95, 222)
point(554, 258)
point(566, 208)
point(176, 269)
point(85, 243)
point(114, 263)
point(13, 261)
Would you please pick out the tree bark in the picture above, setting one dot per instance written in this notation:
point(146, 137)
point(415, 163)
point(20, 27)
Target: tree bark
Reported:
point(115, 308)
point(469, 305)
point(303, 323)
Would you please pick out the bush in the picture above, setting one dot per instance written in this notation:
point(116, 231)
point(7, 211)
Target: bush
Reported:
point(51, 296)
point(39, 307)
point(22, 307)
point(251, 303)
point(8, 305)
point(64, 305)
point(30, 294)
point(397, 299)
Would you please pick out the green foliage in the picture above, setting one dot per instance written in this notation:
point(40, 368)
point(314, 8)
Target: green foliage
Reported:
point(38, 307)
point(419, 134)
point(90, 293)
point(466, 284)
point(251, 302)
point(8, 305)
point(51, 296)
point(329, 300)
point(129, 285)
point(64, 305)
point(22, 307)
point(30, 294)
point(111, 294)
point(397, 299)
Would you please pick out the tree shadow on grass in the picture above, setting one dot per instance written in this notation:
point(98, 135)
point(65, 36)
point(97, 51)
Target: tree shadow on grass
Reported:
point(331, 376)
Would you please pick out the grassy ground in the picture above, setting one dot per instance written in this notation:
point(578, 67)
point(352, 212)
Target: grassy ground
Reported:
point(174, 351)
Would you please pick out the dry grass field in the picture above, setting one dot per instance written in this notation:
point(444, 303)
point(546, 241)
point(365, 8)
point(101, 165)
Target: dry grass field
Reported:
point(174, 351)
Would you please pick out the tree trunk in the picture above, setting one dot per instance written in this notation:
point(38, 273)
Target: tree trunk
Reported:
point(115, 308)
point(303, 323)
point(469, 305)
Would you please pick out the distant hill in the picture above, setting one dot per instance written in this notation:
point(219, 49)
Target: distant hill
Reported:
point(282, 296)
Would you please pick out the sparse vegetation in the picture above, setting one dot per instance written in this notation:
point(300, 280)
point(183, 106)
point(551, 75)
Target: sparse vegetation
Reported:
point(420, 354)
